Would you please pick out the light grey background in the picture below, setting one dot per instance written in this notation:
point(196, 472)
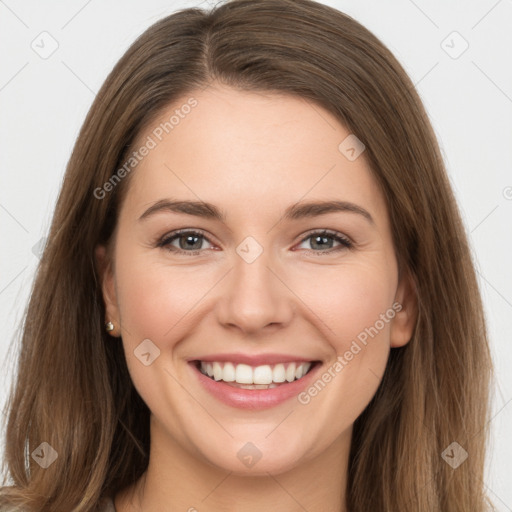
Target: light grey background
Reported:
point(468, 96)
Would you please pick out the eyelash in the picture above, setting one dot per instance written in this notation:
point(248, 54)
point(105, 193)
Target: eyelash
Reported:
point(338, 237)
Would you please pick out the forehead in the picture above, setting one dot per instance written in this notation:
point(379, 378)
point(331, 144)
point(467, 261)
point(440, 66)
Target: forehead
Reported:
point(250, 150)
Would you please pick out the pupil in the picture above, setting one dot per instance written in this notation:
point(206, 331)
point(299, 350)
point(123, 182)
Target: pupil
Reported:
point(324, 240)
point(189, 238)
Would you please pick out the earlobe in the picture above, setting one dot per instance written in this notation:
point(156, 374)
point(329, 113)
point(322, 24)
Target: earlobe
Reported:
point(406, 307)
point(106, 279)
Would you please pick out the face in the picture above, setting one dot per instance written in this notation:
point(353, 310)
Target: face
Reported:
point(258, 288)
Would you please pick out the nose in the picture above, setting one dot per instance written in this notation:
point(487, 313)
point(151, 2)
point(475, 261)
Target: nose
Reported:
point(255, 297)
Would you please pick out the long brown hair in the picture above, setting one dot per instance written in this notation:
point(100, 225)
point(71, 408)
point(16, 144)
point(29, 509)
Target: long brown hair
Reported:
point(73, 390)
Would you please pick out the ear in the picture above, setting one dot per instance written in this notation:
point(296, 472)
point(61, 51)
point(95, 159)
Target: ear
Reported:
point(406, 308)
point(107, 281)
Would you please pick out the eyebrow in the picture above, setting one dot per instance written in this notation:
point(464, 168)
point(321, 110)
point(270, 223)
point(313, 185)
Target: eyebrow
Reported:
point(296, 211)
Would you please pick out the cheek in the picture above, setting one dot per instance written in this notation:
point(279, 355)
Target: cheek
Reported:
point(152, 296)
point(154, 301)
point(347, 298)
point(355, 302)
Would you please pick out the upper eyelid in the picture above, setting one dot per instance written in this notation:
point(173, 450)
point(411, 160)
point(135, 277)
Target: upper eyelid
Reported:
point(174, 234)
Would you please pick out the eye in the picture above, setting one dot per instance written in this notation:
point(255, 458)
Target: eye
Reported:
point(189, 242)
point(323, 241)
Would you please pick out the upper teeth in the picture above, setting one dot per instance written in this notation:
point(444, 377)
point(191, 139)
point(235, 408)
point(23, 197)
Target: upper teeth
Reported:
point(245, 374)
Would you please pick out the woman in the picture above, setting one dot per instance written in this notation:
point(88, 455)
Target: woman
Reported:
point(257, 291)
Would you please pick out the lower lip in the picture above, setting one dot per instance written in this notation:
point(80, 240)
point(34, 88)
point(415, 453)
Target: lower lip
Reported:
point(254, 399)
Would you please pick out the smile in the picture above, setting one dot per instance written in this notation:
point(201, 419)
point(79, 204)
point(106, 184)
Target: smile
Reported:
point(245, 376)
point(254, 387)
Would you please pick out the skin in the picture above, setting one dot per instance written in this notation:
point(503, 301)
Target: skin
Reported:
point(252, 155)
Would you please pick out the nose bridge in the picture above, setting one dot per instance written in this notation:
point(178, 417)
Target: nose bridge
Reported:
point(254, 297)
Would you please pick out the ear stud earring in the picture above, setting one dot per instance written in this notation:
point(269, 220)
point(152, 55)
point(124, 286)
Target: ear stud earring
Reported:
point(109, 326)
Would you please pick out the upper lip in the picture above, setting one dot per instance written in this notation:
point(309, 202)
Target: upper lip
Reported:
point(253, 360)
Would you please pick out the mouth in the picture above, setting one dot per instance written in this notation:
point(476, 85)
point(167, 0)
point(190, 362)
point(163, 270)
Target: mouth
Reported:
point(244, 376)
point(247, 386)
